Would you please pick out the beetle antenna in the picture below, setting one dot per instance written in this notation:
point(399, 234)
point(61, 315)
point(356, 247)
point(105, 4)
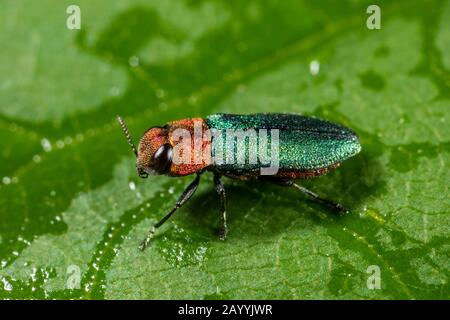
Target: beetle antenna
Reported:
point(127, 135)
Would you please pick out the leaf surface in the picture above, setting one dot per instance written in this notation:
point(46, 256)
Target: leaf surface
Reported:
point(70, 198)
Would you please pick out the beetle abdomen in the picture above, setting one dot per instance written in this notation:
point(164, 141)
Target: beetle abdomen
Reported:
point(306, 145)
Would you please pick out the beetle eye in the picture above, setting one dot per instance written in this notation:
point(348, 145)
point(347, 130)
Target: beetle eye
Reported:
point(162, 159)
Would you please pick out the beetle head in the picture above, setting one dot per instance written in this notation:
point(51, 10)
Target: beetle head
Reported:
point(154, 153)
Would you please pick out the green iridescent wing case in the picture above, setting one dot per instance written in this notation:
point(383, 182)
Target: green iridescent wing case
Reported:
point(304, 143)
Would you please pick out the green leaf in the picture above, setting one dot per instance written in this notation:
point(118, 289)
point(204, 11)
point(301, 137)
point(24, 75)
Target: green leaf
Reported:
point(70, 199)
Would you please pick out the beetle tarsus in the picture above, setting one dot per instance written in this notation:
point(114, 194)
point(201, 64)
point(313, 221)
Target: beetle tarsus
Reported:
point(330, 204)
point(339, 208)
point(144, 244)
point(221, 191)
point(333, 205)
point(223, 232)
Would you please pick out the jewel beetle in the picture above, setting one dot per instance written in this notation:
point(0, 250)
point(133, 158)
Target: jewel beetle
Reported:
point(274, 147)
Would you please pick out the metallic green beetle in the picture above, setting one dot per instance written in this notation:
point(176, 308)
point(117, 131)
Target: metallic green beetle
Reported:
point(272, 147)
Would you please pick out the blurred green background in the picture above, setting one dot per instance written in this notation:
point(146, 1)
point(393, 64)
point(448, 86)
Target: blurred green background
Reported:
point(72, 207)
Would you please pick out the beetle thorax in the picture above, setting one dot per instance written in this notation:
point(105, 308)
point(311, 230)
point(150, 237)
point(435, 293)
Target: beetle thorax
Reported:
point(189, 140)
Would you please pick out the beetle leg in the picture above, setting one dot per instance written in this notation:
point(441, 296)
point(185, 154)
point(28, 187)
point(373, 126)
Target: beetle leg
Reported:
point(185, 196)
point(331, 204)
point(221, 191)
